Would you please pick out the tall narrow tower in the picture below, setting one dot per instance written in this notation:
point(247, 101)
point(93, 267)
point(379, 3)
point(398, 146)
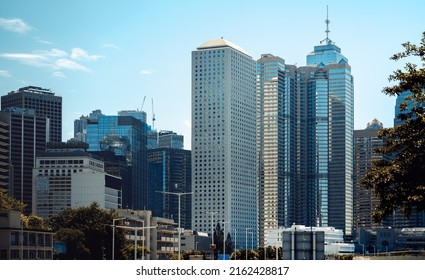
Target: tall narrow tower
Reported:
point(224, 139)
point(326, 118)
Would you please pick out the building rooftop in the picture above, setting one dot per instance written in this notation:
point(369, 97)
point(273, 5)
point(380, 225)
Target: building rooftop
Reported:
point(220, 43)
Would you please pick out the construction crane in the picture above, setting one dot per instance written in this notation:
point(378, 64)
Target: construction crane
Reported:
point(143, 103)
point(153, 117)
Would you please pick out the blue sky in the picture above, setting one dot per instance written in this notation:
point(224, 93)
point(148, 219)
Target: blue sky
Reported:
point(109, 55)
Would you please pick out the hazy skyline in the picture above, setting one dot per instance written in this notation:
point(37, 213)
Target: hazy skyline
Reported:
point(108, 55)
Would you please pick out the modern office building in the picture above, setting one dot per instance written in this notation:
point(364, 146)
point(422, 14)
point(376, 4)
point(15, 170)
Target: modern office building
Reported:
point(4, 156)
point(365, 143)
point(325, 111)
point(224, 169)
point(125, 136)
point(27, 136)
point(169, 170)
point(45, 104)
point(67, 176)
point(276, 144)
point(169, 139)
point(80, 125)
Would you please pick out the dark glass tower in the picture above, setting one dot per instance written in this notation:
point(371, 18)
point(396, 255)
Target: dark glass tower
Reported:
point(125, 136)
point(45, 104)
point(27, 138)
point(169, 170)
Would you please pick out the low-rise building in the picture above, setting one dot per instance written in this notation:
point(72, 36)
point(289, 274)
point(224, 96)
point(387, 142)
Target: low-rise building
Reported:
point(17, 243)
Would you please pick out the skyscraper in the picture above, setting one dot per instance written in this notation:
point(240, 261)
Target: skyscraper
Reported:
point(169, 170)
point(45, 104)
point(276, 143)
point(325, 134)
point(27, 137)
point(224, 139)
point(125, 136)
point(365, 143)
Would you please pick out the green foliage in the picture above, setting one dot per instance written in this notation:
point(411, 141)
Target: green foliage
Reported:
point(186, 255)
point(398, 180)
point(74, 240)
point(96, 225)
point(128, 251)
point(34, 222)
point(10, 203)
point(271, 253)
point(244, 255)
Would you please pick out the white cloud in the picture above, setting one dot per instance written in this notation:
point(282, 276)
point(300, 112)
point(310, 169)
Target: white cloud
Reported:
point(64, 63)
point(58, 74)
point(54, 59)
point(80, 54)
point(110, 46)
point(148, 71)
point(15, 25)
point(5, 74)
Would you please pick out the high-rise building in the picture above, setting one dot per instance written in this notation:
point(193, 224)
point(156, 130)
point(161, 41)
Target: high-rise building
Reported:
point(45, 104)
point(325, 135)
point(4, 156)
point(365, 143)
point(276, 144)
point(125, 136)
point(169, 139)
point(66, 176)
point(224, 169)
point(27, 136)
point(169, 170)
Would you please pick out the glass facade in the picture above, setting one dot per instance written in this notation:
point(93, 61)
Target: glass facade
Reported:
point(125, 136)
point(276, 151)
point(326, 112)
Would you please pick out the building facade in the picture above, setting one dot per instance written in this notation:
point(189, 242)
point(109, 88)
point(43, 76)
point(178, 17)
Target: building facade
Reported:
point(125, 136)
point(27, 137)
point(276, 144)
point(224, 138)
point(169, 170)
point(365, 143)
point(169, 139)
point(66, 176)
point(45, 104)
point(325, 135)
point(23, 244)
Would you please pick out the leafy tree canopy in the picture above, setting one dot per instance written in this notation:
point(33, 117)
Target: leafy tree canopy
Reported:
point(96, 225)
point(398, 180)
point(10, 203)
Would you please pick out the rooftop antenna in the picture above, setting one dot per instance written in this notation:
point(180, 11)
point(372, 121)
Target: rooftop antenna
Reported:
point(153, 117)
point(327, 21)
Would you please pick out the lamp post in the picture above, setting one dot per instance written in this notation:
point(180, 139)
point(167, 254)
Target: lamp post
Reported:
point(212, 232)
point(179, 194)
point(113, 236)
point(246, 243)
point(235, 245)
point(374, 249)
point(135, 237)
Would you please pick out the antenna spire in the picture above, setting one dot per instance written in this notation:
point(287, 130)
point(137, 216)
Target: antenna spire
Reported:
point(327, 21)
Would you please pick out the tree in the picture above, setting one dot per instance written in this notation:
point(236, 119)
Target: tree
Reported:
point(74, 241)
point(96, 225)
point(398, 180)
point(10, 203)
point(128, 251)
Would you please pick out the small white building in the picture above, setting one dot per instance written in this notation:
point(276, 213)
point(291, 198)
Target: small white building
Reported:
point(67, 176)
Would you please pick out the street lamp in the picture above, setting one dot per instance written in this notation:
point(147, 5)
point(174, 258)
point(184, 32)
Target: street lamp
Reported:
point(179, 229)
point(246, 243)
point(212, 233)
point(113, 236)
point(135, 237)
